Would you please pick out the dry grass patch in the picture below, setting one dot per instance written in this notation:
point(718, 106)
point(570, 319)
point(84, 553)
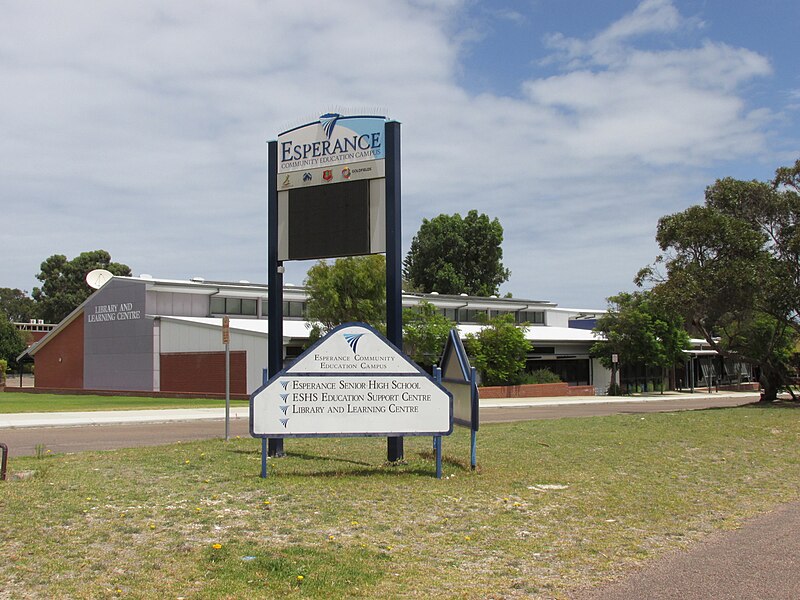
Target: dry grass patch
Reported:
point(554, 505)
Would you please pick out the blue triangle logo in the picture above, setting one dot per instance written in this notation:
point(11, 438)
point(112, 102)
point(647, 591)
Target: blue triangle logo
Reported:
point(284, 421)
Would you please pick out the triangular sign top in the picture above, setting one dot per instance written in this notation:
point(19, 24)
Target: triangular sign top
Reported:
point(455, 363)
point(353, 348)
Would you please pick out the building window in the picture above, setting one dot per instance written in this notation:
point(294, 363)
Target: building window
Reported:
point(471, 315)
point(233, 306)
point(294, 309)
point(534, 317)
point(450, 313)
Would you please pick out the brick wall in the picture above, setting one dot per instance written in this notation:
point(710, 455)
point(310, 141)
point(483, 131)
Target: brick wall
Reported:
point(203, 372)
point(540, 390)
point(59, 364)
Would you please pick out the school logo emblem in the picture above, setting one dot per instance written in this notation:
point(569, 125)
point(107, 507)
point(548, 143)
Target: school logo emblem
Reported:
point(327, 174)
point(328, 122)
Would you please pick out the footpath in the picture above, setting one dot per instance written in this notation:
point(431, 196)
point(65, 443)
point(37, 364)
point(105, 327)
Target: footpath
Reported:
point(758, 561)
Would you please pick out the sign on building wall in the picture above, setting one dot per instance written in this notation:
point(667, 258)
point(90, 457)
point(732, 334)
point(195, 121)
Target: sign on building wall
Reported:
point(352, 382)
point(118, 338)
point(331, 188)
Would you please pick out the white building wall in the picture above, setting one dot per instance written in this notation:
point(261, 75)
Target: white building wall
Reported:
point(601, 377)
point(193, 337)
point(555, 318)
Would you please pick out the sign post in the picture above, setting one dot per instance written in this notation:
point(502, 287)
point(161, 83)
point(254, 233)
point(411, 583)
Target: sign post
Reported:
point(335, 191)
point(461, 380)
point(226, 339)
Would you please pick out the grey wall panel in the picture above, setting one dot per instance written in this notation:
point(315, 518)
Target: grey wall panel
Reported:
point(164, 303)
point(200, 306)
point(118, 338)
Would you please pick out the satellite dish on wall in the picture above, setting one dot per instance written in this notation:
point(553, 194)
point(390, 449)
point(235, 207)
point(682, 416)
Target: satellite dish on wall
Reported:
point(97, 278)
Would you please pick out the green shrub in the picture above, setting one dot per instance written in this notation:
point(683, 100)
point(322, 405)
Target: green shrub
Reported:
point(541, 376)
point(499, 351)
point(3, 369)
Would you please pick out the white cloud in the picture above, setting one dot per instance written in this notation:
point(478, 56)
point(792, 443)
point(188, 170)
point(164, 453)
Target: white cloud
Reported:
point(141, 127)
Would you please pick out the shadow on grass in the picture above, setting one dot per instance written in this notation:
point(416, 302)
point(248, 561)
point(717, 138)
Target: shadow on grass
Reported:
point(304, 456)
point(464, 465)
point(777, 404)
point(676, 411)
point(348, 467)
point(365, 472)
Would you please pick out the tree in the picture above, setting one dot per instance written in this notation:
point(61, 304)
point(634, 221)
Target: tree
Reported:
point(425, 332)
point(349, 289)
point(64, 286)
point(499, 351)
point(732, 269)
point(12, 342)
point(18, 306)
point(640, 330)
point(451, 255)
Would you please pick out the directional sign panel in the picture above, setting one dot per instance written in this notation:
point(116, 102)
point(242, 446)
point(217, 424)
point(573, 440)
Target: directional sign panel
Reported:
point(352, 382)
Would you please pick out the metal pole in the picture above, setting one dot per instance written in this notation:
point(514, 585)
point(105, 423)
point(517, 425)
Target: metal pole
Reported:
point(274, 285)
point(264, 449)
point(3, 462)
point(473, 452)
point(394, 291)
point(227, 392)
point(263, 458)
point(437, 442)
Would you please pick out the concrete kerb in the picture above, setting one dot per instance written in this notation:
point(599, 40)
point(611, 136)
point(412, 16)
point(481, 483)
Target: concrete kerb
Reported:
point(571, 400)
point(107, 417)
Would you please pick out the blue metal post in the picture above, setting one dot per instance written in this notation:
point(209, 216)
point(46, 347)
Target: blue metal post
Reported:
point(263, 458)
point(473, 455)
point(264, 380)
point(437, 377)
point(437, 443)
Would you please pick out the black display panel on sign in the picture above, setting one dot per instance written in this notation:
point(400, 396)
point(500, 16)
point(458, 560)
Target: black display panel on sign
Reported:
point(329, 220)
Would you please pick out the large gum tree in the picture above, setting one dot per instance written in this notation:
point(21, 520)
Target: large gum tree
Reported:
point(732, 267)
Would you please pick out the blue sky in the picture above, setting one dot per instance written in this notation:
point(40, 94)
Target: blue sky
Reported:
point(140, 128)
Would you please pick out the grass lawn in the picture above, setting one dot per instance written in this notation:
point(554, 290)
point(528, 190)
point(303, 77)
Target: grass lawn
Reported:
point(22, 402)
point(555, 505)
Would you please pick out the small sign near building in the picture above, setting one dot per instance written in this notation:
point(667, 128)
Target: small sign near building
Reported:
point(353, 382)
point(226, 330)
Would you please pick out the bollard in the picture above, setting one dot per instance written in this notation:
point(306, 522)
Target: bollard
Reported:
point(3, 462)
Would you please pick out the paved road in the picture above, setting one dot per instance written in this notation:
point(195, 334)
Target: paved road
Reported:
point(23, 441)
point(759, 561)
point(104, 430)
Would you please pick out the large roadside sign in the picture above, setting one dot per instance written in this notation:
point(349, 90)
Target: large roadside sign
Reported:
point(353, 382)
point(331, 187)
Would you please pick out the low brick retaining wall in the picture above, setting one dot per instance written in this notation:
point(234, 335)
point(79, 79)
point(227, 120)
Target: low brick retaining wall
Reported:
point(538, 390)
